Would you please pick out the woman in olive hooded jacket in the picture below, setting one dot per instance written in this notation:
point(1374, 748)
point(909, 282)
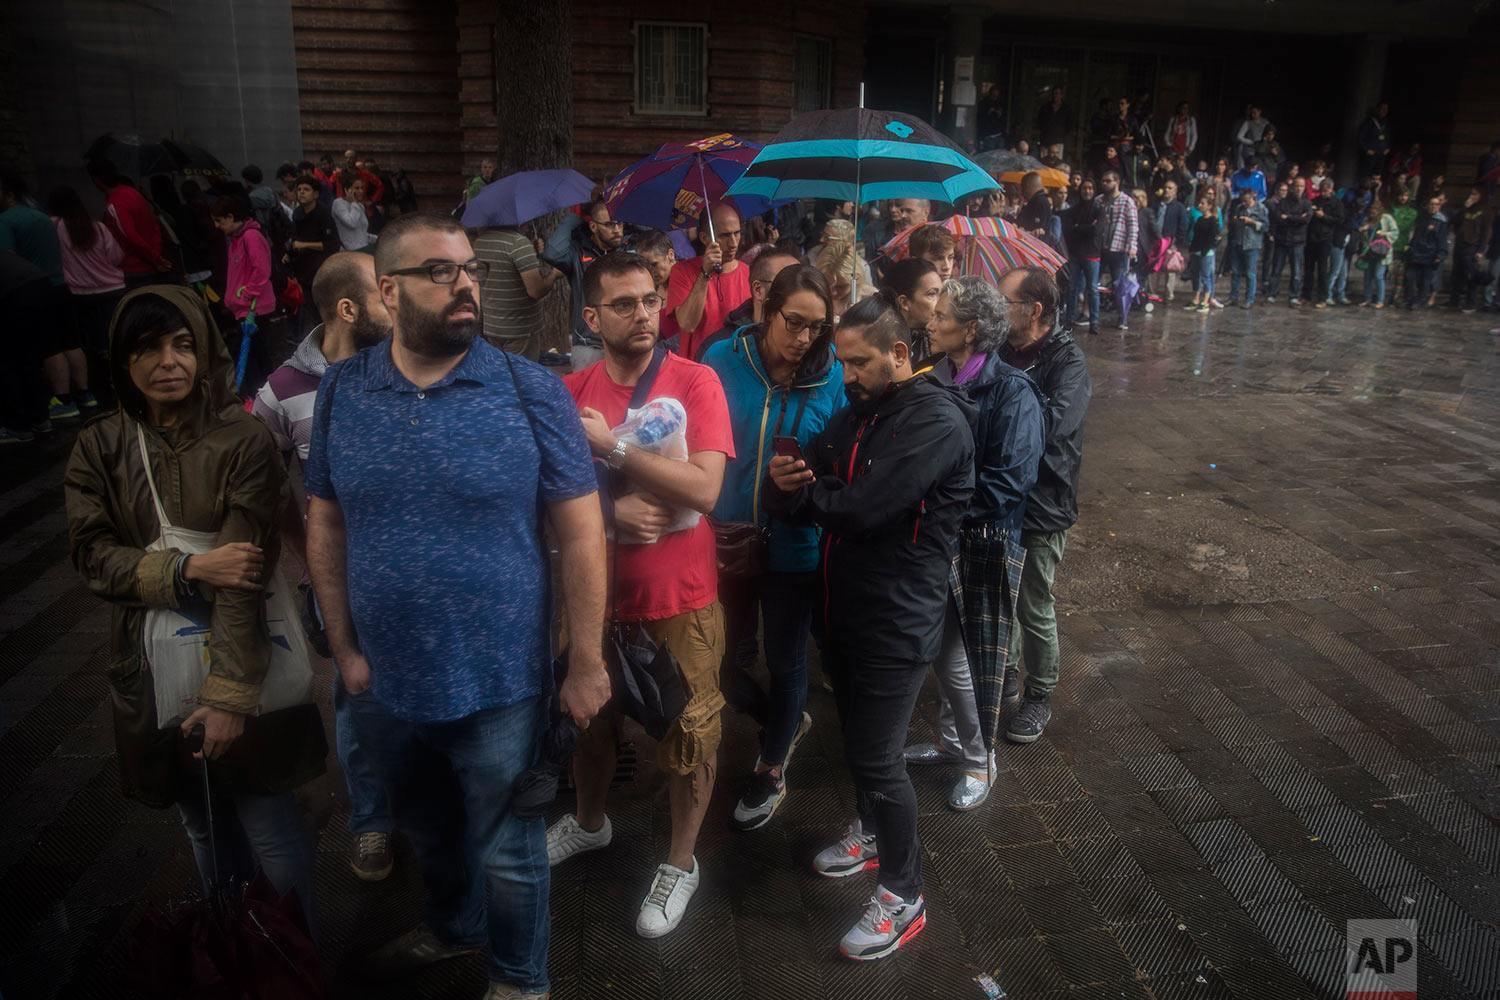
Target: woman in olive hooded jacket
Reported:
point(217, 470)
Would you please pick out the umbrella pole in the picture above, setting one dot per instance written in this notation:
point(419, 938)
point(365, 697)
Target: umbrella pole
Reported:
point(858, 205)
point(707, 209)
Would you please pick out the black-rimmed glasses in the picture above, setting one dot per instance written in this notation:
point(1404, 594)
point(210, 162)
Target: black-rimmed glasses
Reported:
point(796, 324)
point(446, 273)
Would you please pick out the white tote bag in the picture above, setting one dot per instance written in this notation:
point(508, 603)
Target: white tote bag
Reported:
point(176, 639)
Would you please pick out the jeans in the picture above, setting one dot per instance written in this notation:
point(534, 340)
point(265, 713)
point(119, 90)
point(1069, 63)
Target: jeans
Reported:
point(1468, 277)
point(1083, 276)
point(369, 812)
point(250, 828)
point(1205, 280)
point(784, 602)
point(1338, 274)
point(1375, 281)
point(1421, 280)
point(1492, 284)
point(958, 712)
point(875, 701)
point(1034, 640)
point(450, 787)
point(1245, 263)
point(1118, 265)
point(1315, 283)
point(1283, 255)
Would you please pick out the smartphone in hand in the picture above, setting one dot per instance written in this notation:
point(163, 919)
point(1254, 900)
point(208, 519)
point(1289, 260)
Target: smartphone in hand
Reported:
point(785, 444)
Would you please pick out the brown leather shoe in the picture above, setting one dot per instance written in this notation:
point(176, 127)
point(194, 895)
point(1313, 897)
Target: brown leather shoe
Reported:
point(370, 856)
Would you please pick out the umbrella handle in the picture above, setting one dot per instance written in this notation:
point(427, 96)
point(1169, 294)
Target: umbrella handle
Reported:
point(707, 209)
point(195, 739)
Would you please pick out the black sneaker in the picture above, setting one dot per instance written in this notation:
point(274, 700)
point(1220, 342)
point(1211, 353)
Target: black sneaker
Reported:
point(1010, 689)
point(763, 796)
point(1031, 720)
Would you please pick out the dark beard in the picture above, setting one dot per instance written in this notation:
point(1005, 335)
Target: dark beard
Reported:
point(433, 335)
point(367, 331)
point(866, 406)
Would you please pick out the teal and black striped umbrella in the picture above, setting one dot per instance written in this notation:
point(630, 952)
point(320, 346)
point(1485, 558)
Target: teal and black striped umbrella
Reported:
point(861, 155)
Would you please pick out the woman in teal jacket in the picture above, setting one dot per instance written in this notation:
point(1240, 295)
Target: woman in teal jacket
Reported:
point(780, 379)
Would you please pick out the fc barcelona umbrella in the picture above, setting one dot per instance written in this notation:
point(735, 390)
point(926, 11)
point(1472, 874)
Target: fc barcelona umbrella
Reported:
point(861, 155)
point(668, 189)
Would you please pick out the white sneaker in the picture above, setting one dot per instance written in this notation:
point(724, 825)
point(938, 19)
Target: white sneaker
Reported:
point(664, 905)
point(851, 855)
point(889, 922)
point(566, 838)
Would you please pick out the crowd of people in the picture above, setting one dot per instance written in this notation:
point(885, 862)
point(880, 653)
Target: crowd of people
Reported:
point(787, 438)
point(249, 249)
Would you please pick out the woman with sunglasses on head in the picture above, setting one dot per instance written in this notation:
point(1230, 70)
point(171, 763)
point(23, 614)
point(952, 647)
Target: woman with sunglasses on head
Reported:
point(781, 381)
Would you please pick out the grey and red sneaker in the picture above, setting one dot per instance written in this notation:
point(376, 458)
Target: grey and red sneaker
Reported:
point(889, 922)
point(853, 854)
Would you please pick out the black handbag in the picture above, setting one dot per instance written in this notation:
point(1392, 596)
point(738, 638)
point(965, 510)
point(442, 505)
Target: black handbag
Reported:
point(742, 549)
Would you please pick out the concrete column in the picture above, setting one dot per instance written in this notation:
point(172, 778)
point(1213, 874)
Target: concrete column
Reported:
point(961, 72)
point(1365, 90)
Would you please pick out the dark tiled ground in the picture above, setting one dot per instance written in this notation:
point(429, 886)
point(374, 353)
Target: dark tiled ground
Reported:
point(1281, 710)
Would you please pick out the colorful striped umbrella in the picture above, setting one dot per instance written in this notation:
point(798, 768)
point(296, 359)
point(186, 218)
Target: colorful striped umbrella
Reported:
point(987, 246)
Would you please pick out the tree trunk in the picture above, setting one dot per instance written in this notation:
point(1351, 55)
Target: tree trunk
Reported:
point(534, 100)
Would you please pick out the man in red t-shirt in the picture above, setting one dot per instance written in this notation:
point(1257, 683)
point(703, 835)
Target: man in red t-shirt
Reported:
point(698, 297)
point(667, 582)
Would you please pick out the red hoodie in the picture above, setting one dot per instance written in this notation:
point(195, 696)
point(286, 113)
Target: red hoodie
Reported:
point(249, 272)
point(135, 228)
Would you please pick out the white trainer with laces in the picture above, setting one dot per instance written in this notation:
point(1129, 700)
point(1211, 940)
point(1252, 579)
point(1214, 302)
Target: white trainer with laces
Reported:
point(664, 905)
point(566, 838)
point(889, 922)
point(854, 853)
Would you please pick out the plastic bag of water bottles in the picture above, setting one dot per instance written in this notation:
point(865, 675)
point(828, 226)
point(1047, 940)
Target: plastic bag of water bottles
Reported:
point(660, 427)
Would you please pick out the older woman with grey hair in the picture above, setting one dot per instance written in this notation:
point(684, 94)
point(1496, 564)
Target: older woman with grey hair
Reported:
point(969, 324)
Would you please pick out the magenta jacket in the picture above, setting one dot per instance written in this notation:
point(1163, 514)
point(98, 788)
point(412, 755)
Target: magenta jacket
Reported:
point(250, 270)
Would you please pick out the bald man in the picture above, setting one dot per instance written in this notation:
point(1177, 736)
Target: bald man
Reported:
point(703, 290)
point(354, 317)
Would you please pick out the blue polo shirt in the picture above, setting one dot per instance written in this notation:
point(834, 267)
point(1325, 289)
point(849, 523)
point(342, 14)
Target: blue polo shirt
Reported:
point(441, 490)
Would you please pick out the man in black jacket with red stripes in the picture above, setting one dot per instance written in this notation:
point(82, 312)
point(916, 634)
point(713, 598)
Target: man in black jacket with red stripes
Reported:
point(889, 481)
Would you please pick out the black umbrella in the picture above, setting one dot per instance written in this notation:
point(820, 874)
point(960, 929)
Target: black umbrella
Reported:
point(195, 162)
point(138, 157)
point(1003, 161)
point(133, 155)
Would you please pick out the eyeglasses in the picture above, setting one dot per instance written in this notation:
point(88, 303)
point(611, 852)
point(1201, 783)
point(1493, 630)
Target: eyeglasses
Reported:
point(625, 308)
point(1015, 302)
point(446, 273)
point(796, 324)
point(611, 224)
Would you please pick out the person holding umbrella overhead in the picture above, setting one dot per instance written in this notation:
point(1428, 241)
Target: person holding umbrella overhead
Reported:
point(703, 290)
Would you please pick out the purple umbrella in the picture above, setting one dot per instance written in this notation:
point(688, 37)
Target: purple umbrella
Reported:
point(670, 187)
point(527, 195)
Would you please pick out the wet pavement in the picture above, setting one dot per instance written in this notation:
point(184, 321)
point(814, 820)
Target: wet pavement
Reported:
point(1280, 711)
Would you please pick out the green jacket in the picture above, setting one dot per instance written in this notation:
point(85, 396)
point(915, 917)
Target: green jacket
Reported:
point(1405, 217)
point(218, 470)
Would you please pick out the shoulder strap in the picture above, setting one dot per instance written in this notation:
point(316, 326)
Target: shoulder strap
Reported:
point(647, 380)
point(161, 514)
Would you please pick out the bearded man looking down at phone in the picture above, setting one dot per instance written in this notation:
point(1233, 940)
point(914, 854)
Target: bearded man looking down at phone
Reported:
point(888, 480)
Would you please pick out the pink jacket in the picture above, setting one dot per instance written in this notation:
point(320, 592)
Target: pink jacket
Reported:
point(249, 272)
point(96, 269)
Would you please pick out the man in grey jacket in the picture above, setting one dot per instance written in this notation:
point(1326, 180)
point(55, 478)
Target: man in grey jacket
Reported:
point(1247, 232)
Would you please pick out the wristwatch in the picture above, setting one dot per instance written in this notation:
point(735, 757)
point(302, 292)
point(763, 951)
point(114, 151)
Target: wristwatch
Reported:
point(616, 458)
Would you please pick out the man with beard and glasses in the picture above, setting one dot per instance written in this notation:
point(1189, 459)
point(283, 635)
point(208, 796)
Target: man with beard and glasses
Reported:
point(354, 318)
point(434, 459)
point(889, 480)
point(665, 577)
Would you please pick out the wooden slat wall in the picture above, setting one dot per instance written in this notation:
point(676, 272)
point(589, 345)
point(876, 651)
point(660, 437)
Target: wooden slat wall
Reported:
point(750, 62)
point(1476, 115)
point(381, 76)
